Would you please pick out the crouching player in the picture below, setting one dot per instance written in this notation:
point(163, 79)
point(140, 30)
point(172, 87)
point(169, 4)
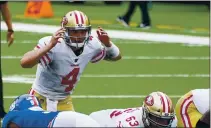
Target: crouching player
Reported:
point(26, 112)
point(157, 111)
point(191, 107)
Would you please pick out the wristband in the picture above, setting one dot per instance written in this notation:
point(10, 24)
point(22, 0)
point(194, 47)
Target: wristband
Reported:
point(112, 51)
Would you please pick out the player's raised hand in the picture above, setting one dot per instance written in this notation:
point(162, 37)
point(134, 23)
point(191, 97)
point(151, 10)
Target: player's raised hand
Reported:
point(103, 37)
point(58, 34)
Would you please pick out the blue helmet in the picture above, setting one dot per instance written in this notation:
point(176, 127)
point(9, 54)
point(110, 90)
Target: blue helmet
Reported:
point(24, 101)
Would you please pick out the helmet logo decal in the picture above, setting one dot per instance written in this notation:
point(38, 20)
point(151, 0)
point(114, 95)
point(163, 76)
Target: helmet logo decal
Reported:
point(149, 100)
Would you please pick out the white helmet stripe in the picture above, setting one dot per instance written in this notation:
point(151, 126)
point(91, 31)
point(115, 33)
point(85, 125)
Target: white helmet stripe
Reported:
point(169, 107)
point(79, 17)
point(165, 102)
point(76, 17)
point(82, 17)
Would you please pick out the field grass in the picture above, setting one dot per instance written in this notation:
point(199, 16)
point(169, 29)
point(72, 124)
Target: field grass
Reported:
point(166, 18)
point(118, 85)
point(145, 74)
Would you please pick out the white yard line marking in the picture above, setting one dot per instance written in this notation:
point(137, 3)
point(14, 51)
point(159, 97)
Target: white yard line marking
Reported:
point(11, 57)
point(103, 96)
point(22, 42)
point(147, 75)
point(29, 79)
point(129, 35)
point(114, 40)
point(165, 58)
point(142, 57)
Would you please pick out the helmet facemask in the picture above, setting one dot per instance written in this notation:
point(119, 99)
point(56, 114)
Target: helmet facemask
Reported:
point(77, 38)
point(156, 121)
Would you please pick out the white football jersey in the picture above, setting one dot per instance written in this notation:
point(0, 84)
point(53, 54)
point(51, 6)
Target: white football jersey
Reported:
point(69, 119)
point(130, 117)
point(60, 69)
point(201, 99)
point(73, 119)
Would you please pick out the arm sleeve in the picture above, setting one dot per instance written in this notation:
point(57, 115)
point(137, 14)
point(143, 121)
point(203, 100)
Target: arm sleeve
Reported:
point(100, 54)
point(124, 124)
point(17, 121)
point(8, 119)
point(48, 57)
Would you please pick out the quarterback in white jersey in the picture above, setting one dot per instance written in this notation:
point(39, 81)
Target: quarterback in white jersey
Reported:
point(62, 58)
point(192, 106)
point(157, 111)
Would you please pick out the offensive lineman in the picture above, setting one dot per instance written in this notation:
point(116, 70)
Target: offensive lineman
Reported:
point(157, 111)
point(191, 107)
point(26, 112)
point(62, 58)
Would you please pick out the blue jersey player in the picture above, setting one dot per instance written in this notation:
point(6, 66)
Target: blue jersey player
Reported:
point(26, 111)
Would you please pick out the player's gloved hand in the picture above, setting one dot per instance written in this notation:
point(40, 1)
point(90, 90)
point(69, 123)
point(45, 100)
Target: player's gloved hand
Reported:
point(58, 34)
point(103, 37)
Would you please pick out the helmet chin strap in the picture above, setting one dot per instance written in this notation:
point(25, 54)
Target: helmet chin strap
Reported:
point(144, 118)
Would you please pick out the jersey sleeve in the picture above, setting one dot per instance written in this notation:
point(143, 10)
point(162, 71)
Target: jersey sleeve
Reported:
point(17, 121)
point(100, 52)
point(48, 57)
point(123, 124)
point(5, 122)
point(11, 117)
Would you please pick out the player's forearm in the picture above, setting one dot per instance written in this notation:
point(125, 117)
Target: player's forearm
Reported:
point(31, 58)
point(6, 15)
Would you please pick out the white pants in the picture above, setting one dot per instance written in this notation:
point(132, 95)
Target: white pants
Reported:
point(73, 119)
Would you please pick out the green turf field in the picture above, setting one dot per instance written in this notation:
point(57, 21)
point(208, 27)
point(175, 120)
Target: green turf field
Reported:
point(166, 18)
point(133, 75)
point(119, 85)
